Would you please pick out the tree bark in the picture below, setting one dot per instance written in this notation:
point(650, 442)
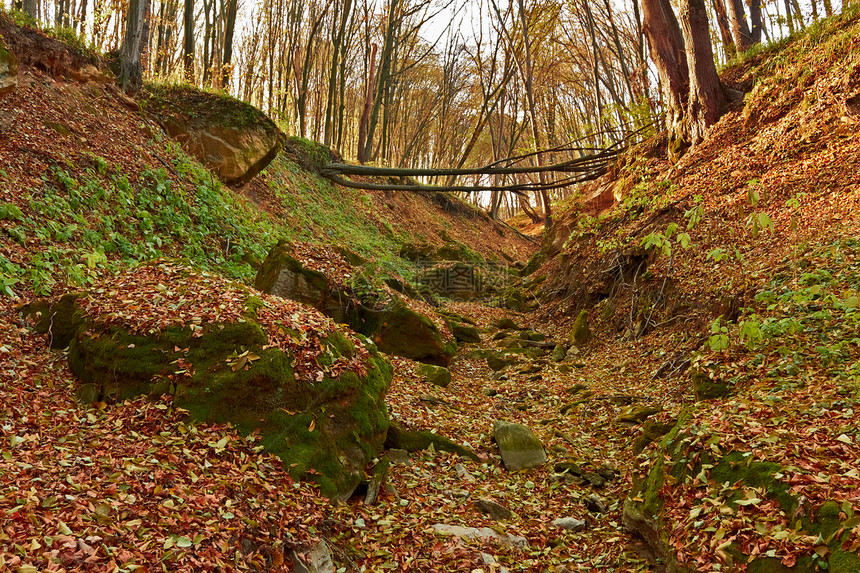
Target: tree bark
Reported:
point(740, 28)
point(729, 49)
point(365, 112)
point(756, 21)
point(130, 76)
point(229, 27)
point(29, 8)
point(667, 50)
point(188, 41)
point(706, 98)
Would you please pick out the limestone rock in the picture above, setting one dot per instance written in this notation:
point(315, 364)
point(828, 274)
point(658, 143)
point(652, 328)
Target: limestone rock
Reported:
point(519, 447)
point(318, 405)
point(317, 560)
point(569, 523)
point(396, 329)
point(405, 332)
point(8, 70)
point(228, 136)
point(436, 375)
point(464, 332)
point(481, 533)
point(580, 334)
point(496, 511)
point(286, 277)
point(411, 441)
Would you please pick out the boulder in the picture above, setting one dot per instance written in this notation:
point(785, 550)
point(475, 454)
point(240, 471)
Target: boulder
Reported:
point(496, 511)
point(8, 70)
point(227, 354)
point(580, 334)
point(464, 332)
point(396, 328)
point(405, 332)
point(284, 276)
point(412, 441)
point(569, 523)
point(229, 136)
point(436, 375)
point(519, 447)
point(481, 533)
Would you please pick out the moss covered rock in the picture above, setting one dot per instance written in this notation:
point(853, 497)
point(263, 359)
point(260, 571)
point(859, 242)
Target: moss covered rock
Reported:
point(8, 70)
point(580, 334)
point(227, 354)
point(396, 327)
point(436, 375)
point(283, 275)
point(519, 447)
point(412, 441)
point(405, 332)
point(229, 136)
point(464, 332)
point(708, 388)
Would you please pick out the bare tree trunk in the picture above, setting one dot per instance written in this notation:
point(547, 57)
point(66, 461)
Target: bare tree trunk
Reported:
point(130, 76)
point(740, 28)
point(527, 80)
point(828, 8)
point(188, 41)
point(29, 7)
point(756, 21)
point(729, 48)
point(706, 97)
point(667, 50)
point(788, 17)
point(365, 112)
point(229, 27)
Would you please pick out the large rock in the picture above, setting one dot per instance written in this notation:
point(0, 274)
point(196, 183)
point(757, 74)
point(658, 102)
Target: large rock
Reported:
point(228, 354)
point(395, 327)
point(229, 136)
point(405, 332)
point(459, 281)
point(8, 70)
point(520, 448)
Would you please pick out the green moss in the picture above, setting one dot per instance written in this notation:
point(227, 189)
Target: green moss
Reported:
point(310, 154)
point(580, 334)
point(707, 388)
point(737, 467)
point(407, 333)
point(398, 438)
point(201, 105)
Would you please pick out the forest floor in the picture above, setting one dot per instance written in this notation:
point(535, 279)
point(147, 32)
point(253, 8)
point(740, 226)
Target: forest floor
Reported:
point(135, 486)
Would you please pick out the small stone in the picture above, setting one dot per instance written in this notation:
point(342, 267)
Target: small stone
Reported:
point(463, 473)
point(317, 560)
point(496, 511)
point(436, 375)
point(594, 479)
point(595, 505)
point(399, 457)
point(569, 523)
point(507, 324)
point(519, 446)
point(489, 392)
point(559, 352)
